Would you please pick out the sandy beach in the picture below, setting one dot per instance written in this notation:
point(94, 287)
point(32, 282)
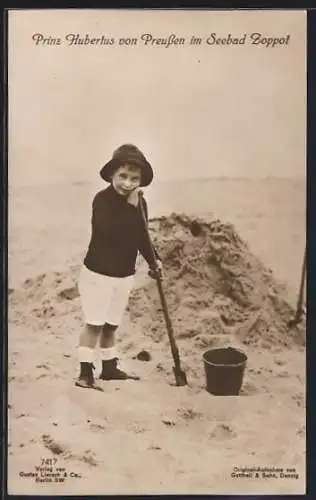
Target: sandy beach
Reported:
point(191, 441)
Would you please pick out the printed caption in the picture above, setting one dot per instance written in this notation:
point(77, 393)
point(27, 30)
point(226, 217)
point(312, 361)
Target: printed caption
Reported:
point(172, 40)
point(48, 471)
point(286, 473)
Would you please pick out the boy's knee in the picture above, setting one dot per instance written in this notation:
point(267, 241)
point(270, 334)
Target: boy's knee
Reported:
point(95, 329)
point(108, 328)
point(107, 335)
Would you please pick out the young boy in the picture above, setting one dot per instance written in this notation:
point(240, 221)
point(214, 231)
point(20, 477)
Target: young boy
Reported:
point(107, 275)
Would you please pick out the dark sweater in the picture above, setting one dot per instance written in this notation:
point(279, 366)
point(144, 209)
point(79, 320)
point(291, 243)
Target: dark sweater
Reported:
point(118, 234)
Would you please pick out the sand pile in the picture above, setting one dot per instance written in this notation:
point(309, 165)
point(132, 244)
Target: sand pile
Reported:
point(217, 292)
point(215, 285)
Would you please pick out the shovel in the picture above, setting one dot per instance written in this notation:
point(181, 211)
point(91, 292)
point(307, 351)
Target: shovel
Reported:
point(179, 374)
point(299, 308)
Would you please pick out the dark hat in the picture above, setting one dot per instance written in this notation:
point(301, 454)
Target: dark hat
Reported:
point(128, 153)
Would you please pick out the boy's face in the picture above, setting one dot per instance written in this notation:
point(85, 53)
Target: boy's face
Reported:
point(126, 178)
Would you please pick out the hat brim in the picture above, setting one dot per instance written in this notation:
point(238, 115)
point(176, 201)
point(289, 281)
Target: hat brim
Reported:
point(111, 166)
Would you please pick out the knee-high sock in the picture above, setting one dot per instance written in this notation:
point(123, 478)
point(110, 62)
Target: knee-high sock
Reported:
point(108, 353)
point(85, 354)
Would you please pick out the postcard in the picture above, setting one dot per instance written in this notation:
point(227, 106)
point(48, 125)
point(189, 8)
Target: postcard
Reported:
point(157, 228)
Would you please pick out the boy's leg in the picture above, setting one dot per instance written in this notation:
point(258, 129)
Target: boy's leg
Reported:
point(110, 370)
point(87, 343)
point(107, 337)
point(116, 307)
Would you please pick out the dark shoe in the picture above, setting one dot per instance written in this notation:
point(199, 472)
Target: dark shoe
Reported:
point(110, 371)
point(86, 377)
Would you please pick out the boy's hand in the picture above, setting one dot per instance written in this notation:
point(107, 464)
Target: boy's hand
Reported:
point(154, 273)
point(133, 197)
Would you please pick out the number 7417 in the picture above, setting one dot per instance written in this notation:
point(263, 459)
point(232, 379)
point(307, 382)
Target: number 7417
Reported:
point(48, 461)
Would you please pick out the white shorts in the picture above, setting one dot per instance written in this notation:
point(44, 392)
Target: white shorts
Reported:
point(103, 298)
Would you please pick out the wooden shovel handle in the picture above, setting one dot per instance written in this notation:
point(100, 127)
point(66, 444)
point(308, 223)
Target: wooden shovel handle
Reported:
point(301, 290)
point(174, 348)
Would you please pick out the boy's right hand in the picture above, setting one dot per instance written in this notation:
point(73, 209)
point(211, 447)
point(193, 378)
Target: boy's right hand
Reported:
point(133, 197)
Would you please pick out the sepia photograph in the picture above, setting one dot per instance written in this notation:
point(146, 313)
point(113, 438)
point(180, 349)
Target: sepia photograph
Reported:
point(156, 252)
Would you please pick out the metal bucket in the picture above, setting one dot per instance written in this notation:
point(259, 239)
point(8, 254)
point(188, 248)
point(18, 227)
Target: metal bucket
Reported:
point(224, 371)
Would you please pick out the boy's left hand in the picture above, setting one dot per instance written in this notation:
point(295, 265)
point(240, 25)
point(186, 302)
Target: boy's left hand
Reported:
point(153, 272)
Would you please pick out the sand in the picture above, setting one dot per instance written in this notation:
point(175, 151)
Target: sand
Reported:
point(219, 294)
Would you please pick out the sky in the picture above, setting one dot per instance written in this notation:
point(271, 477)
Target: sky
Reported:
point(195, 111)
